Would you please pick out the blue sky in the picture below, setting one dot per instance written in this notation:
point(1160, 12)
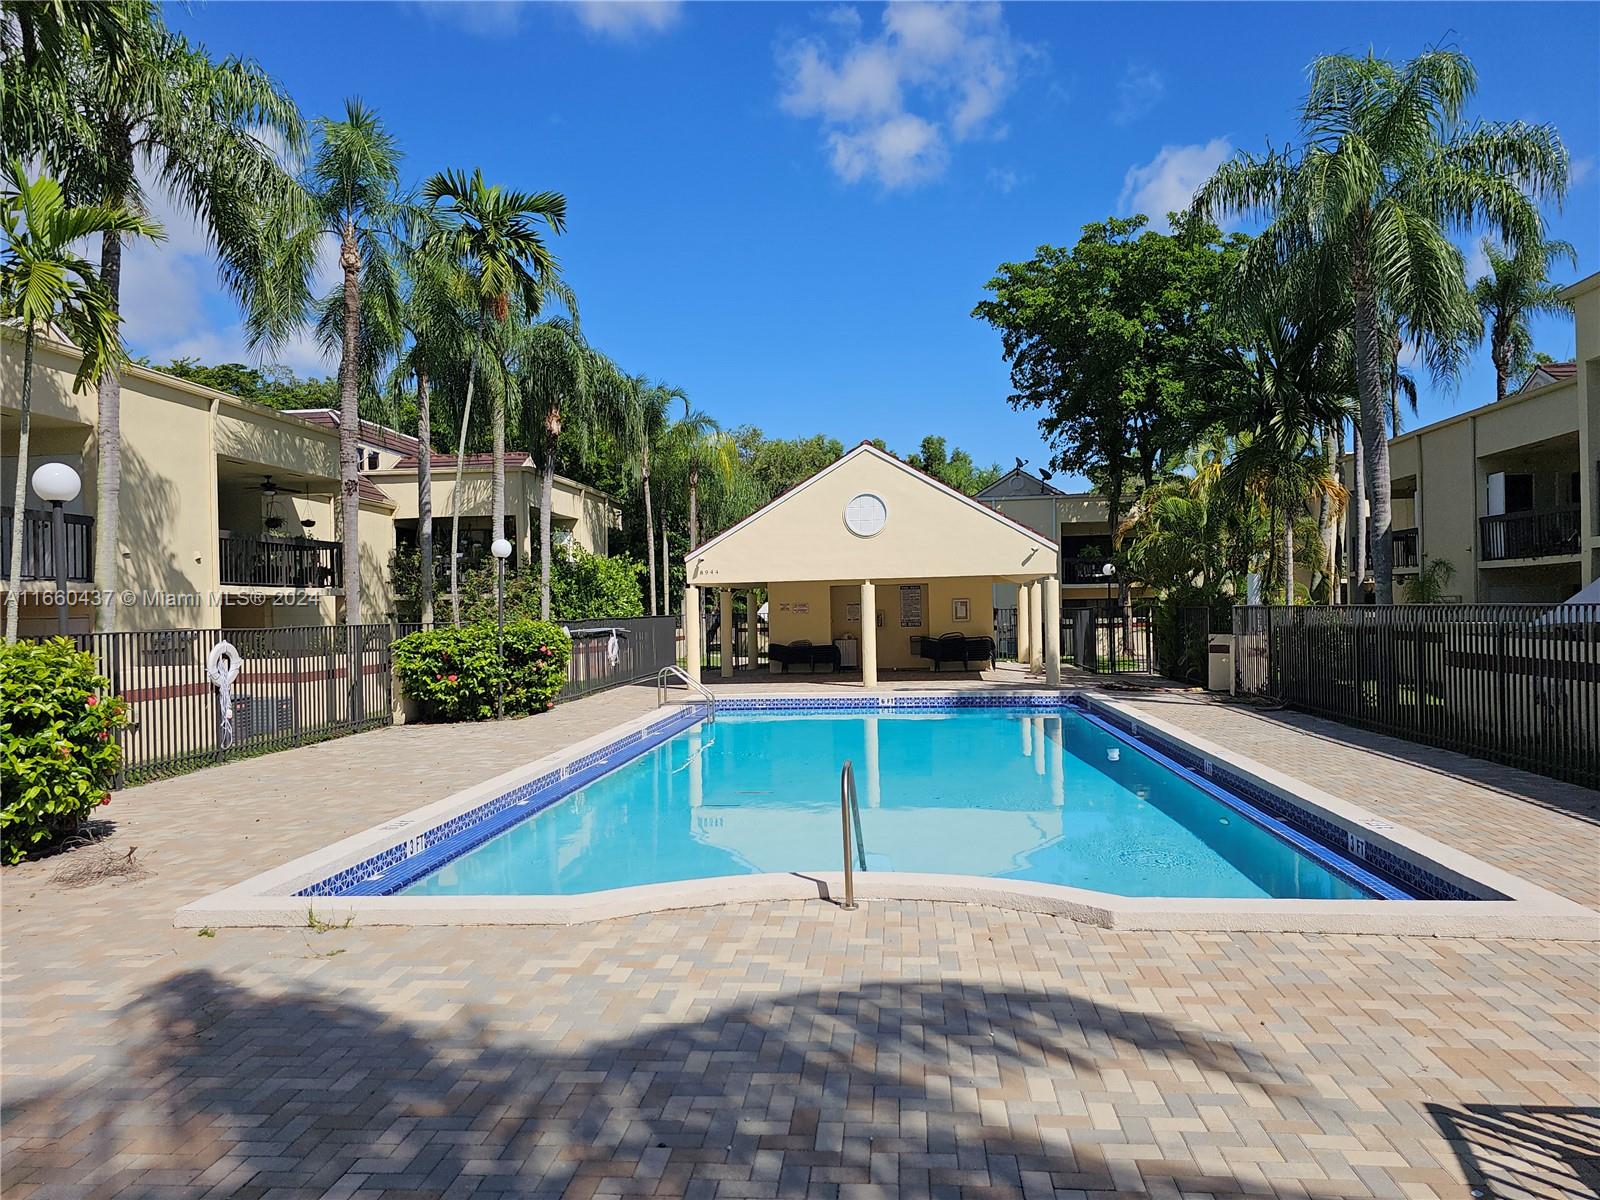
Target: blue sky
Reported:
point(789, 210)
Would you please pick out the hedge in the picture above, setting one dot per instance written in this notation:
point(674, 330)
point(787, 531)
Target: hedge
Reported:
point(454, 674)
point(58, 750)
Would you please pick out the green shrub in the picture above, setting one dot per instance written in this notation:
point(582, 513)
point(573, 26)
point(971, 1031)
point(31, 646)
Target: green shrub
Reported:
point(58, 753)
point(454, 674)
point(583, 586)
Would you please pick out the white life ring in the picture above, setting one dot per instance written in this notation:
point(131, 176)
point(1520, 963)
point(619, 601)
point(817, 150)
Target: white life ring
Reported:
point(222, 668)
point(223, 663)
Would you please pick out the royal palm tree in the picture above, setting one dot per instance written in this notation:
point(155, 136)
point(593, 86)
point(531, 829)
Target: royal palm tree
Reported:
point(45, 284)
point(654, 402)
point(495, 237)
point(1518, 287)
point(437, 317)
point(138, 109)
point(350, 187)
point(1387, 168)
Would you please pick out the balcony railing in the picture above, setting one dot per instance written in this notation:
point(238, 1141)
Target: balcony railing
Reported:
point(1405, 549)
point(281, 563)
point(38, 546)
point(1529, 535)
point(1083, 570)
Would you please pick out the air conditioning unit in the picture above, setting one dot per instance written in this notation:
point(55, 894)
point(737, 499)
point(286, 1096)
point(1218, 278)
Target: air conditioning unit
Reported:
point(262, 717)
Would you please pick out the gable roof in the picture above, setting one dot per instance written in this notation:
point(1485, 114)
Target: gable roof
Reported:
point(1016, 483)
point(1546, 374)
point(957, 536)
point(368, 431)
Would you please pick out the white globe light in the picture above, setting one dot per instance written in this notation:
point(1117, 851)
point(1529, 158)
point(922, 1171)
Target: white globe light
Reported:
point(1108, 570)
point(500, 548)
point(56, 482)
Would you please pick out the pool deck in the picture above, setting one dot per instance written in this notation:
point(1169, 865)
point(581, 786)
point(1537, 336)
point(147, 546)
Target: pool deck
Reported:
point(786, 1048)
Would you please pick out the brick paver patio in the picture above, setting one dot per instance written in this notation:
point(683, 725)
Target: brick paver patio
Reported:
point(784, 1049)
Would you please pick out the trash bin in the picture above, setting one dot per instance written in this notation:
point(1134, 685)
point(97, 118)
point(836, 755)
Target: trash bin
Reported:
point(1219, 662)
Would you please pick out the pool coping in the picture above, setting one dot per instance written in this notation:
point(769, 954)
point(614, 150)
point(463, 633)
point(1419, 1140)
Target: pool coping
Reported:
point(1526, 911)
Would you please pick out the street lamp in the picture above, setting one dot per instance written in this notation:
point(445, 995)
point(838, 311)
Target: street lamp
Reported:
point(1110, 572)
point(501, 549)
point(57, 483)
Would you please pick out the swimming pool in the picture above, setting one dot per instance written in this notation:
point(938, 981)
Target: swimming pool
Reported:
point(1048, 795)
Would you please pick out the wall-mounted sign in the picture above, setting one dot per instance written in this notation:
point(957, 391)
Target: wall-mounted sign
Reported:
point(852, 612)
point(961, 610)
point(910, 606)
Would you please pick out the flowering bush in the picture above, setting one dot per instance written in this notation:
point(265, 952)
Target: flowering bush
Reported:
point(454, 674)
point(58, 753)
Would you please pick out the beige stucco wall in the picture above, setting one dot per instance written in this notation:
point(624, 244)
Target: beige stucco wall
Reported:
point(826, 616)
point(930, 533)
point(587, 513)
point(172, 508)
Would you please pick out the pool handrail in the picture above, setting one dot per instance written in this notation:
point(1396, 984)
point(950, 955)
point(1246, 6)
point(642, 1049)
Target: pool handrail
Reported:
point(850, 816)
point(678, 673)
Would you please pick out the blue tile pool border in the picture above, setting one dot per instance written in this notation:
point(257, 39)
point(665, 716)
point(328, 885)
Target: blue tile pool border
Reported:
point(1385, 875)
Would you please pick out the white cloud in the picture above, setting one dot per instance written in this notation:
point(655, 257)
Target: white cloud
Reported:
point(1579, 170)
point(628, 18)
point(1138, 91)
point(1004, 180)
point(890, 104)
point(1169, 181)
point(486, 18)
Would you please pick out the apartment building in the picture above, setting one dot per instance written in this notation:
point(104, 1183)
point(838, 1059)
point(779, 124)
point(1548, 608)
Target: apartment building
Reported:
point(230, 514)
point(1509, 493)
point(1079, 523)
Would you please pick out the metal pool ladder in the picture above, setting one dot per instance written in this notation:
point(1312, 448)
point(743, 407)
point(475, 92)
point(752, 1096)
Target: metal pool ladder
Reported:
point(850, 819)
point(684, 677)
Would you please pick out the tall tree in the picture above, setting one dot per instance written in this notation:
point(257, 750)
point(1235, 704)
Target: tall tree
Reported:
point(654, 402)
point(953, 468)
point(1387, 169)
point(135, 109)
point(1516, 288)
point(494, 235)
point(351, 184)
point(44, 282)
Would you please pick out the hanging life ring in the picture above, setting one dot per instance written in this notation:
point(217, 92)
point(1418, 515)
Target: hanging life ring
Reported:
point(222, 668)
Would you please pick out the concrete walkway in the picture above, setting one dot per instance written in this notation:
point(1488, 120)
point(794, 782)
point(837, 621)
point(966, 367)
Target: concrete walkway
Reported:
point(784, 1049)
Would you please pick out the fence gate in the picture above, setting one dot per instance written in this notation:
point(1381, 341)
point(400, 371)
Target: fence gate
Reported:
point(1119, 645)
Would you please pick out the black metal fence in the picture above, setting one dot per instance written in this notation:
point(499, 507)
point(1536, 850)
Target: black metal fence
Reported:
point(295, 686)
point(280, 562)
point(611, 652)
point(748, 653)
point(1515, 683)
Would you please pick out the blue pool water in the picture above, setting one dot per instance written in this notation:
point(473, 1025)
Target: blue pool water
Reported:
point(1009, 793)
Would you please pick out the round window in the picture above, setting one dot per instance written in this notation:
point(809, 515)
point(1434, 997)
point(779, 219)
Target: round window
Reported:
point(865, 515)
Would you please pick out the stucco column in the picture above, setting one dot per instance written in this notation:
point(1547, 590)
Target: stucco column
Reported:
point(725, 627)
point(691, 632)
point(1035, 626)
point(869, 634)
point(1024, 628)
point(1052, 631)
point(750, 628)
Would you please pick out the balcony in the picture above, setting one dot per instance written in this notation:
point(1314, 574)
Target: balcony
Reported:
point(38, 546)
point(1083, 570)
point(1405, 550)
point(300, 563)
point(1529, 535)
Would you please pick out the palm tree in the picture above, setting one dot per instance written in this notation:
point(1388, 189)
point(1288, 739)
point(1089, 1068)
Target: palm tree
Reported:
point(437, 320)
point(45, 283)
point(132, 95)
point(494, 236)
point(1518, 287)
point(701, 446)
point(572, 399)
point(654, 402)
point(351, 188)
point(1388, 166)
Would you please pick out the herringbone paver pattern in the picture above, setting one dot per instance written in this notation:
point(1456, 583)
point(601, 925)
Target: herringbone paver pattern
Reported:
point(751, 1051)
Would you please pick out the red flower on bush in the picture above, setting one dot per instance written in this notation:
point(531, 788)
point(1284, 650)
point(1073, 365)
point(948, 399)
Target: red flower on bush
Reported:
point(451, 678)
point(91, 700)
point(105, 799)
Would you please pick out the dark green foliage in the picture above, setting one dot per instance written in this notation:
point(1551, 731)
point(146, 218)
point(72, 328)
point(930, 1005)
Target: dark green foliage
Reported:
point(454, 674)
point(275, 387)
point(583, 587)
point(955, 469)
point(58, 753)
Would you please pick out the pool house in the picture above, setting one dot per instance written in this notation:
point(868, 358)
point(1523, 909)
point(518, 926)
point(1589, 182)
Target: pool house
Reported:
point(870, 566)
